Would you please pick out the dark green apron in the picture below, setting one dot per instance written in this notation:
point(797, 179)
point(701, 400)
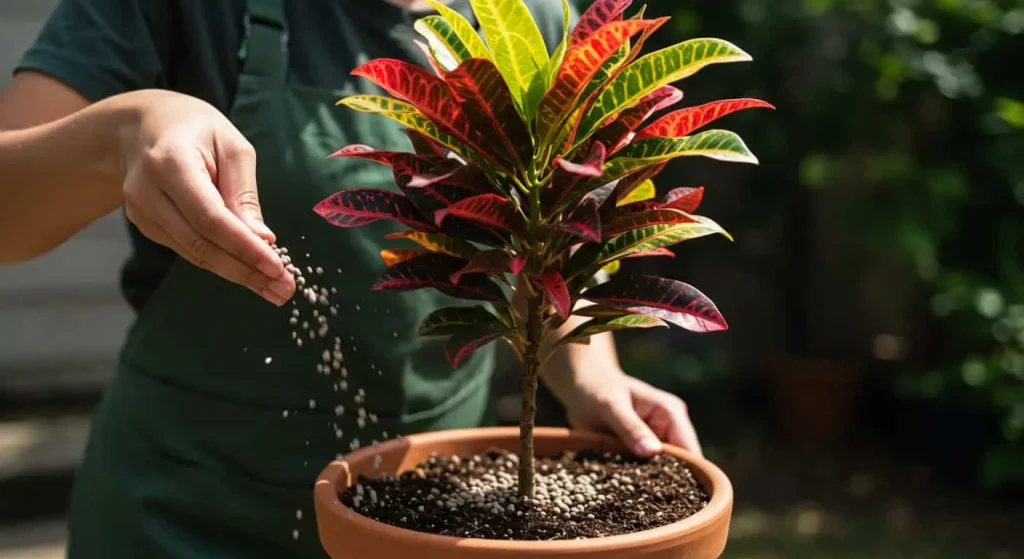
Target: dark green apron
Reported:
point(212, 432)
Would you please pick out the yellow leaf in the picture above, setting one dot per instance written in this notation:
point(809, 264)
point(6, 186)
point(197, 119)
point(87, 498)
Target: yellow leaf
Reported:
point(612, 267)
point(642, 191)
point(514, 40)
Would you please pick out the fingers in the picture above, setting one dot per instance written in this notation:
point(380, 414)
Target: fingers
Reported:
point(667, 414)
point(189, 188)
point(174, 231)
point(620, 416)
point(236, 180)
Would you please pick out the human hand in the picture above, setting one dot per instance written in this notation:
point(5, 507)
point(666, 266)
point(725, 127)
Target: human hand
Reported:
point(190, 185)
point(607, 399)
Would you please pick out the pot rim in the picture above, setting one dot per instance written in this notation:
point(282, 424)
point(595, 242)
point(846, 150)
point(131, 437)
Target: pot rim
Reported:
point(338, 473)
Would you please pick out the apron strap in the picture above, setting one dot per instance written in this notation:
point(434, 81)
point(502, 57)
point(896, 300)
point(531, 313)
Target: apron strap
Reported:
point(264, 50)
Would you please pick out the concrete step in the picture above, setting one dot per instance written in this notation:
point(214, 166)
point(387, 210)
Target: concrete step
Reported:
point(42, 539)
point(38, 458)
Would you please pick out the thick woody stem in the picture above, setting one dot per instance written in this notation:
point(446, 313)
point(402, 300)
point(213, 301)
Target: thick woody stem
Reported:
point(531, 370)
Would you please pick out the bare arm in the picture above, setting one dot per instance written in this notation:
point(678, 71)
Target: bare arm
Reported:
point(58, 164)
point(185, 175)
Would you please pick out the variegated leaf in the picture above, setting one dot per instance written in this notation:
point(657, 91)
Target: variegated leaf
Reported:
point(670, 300)
point(484, 262)
point(448, 321)
point(392, 256)
point(722, 145)
point(434, 270)
point(348, 207)
point(685, 121)
point(642, 191)
point(600, 325)
point(652, 71)
point(596, 16)
point(437, 243)
point(514, 41)
point(582, 62)
point(488, 102)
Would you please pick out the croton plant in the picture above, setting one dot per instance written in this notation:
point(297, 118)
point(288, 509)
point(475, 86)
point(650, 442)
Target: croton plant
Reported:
point(531, 172)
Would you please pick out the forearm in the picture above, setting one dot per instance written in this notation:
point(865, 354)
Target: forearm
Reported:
point(60, 176)
point(567, 362)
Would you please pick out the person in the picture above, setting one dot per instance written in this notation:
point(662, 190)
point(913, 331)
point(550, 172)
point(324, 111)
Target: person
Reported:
point(210, 123)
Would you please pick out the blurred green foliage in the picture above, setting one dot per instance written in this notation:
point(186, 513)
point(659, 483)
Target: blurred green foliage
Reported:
point(917, 107)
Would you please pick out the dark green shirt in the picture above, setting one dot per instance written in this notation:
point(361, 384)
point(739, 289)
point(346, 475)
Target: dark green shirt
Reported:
point(105, 47)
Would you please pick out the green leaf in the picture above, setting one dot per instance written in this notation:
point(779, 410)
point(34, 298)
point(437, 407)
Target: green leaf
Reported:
point(641, 240)
point(602, 324)
point(442, 41)
point(652, 71)
point(460, 37)
point(642, 191)
point(582, 62)
point(715, 144)
point(452, 320)
point(514, 40)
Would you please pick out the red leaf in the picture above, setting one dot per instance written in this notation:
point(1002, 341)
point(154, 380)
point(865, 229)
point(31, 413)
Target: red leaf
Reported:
point(462, 345)
point(429, 56)
point(597, 88)
point(670, 300)
point(583, 222)
point(435, 270)
point(392, 256)
point(488, 102)
point(389, 158)
point(556, 292)
point(485, 261)
point(425, 145)
point(683, 198)
point(628, 222)
point(598, 14)
point(581, 63)
point(517, 264)
point(489, 209)
point(351, 208)
point(655, 252)
point(680, 123)
point(430, 94)
point(591, 166)
point(619, 132)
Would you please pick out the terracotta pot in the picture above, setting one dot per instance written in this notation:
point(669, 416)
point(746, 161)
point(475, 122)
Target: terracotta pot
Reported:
point(346, 534)
point(815, 401)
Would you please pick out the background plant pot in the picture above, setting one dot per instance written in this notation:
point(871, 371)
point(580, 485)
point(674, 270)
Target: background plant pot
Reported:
point(815, 400)
point(345, 533)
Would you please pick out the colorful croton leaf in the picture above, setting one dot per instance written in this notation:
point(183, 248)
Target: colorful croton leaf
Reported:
point(530, 175)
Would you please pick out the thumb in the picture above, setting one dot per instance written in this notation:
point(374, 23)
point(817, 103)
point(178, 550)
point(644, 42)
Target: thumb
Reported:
point(236, 180)
point(624, 421)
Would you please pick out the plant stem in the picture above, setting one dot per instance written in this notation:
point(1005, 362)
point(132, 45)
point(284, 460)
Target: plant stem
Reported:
point(535, 332)
point(528, 411)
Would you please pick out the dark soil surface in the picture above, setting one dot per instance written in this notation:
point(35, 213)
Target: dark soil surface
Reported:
point(579, 495)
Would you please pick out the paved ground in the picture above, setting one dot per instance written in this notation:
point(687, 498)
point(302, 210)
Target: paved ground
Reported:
point(36, 540)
